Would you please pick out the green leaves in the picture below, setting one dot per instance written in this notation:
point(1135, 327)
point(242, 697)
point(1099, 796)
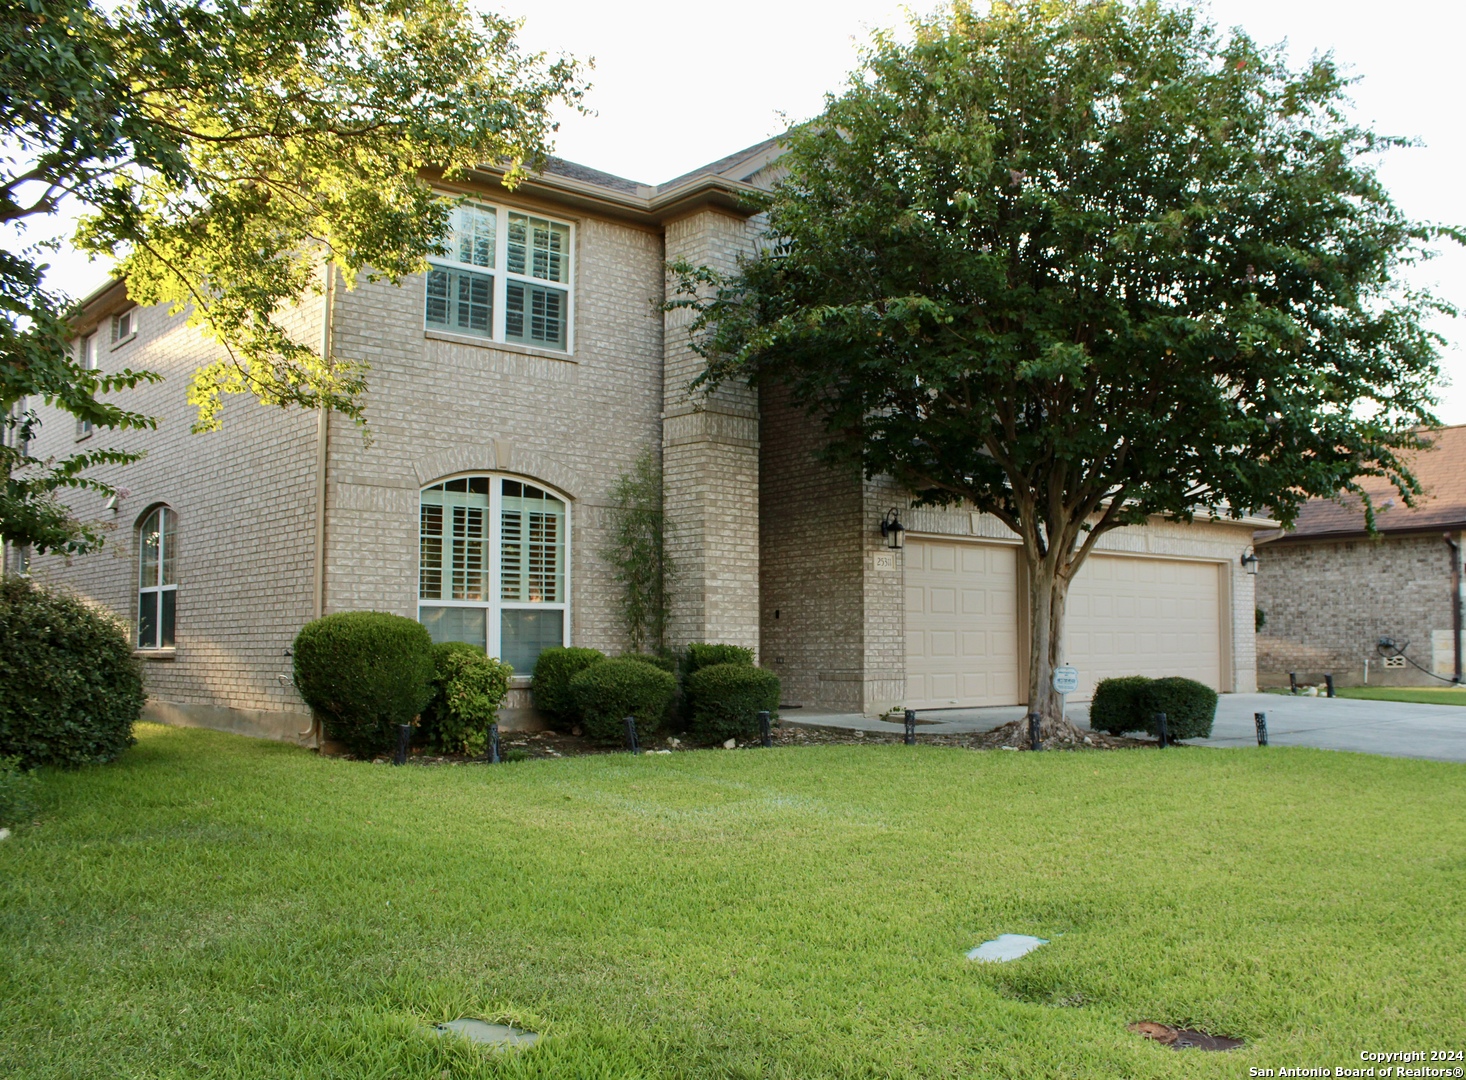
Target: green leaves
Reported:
point(226, 150)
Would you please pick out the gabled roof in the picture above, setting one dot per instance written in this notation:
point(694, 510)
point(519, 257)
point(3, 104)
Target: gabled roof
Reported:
point(1441, 471)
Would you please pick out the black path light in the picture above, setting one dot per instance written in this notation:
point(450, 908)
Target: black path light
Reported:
point(1160, 720)
point(765, 730)
point(910, 727)
point(1259, 720)
point(404, 736)
point(1035, 731)
point(893, 531)
point(494, 758)
point(631, 735)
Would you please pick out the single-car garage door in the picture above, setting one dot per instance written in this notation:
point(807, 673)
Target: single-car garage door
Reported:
point(961, 625)
point(1138, 616)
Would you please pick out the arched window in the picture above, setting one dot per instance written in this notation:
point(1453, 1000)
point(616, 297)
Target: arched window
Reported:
point(157, 580)
point(493, 566)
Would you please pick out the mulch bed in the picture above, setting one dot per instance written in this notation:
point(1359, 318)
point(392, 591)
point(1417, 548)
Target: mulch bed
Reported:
point(555, 744)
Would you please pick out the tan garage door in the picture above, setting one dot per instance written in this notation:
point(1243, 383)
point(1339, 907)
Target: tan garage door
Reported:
point(1134, 616)
point(961, 625)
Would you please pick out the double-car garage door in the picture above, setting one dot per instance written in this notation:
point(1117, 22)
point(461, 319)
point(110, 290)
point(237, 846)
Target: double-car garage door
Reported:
point(1128, 615)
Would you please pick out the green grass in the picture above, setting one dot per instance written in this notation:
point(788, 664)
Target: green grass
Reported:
point(1424, 695)
point(213, 906)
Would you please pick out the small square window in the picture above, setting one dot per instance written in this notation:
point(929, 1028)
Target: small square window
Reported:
point(124, 325)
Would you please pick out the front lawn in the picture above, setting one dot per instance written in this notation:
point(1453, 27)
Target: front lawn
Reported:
point(1423, 695)
point(213, 906)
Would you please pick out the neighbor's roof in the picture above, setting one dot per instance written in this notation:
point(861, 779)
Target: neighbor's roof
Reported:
point(1441, 470)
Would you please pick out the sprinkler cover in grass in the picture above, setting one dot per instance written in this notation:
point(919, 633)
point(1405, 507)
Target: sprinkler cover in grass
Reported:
point(488, 1034)
point(1006, 947)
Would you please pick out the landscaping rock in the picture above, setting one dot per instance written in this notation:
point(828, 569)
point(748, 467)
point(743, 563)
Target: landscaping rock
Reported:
point(1183, 1038)
point(1006, 947)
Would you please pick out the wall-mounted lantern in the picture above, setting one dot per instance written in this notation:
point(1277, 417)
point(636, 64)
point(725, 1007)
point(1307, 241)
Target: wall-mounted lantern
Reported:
point(1249, 561)
point(893, 531)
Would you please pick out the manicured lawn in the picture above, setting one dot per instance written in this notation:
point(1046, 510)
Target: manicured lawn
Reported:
point(219, 907)
point(1425, 695)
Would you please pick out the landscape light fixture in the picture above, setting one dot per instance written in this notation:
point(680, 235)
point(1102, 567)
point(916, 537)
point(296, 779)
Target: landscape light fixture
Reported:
point(893, 531)
point(1249, 561)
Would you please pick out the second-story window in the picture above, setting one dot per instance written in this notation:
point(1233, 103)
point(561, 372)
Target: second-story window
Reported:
point(506, 276)
point(91, 360)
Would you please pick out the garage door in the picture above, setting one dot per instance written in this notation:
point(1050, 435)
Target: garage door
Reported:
point(1131, 616)
point(961, 625)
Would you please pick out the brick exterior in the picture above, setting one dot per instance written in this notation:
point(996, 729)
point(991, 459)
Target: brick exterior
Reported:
point(1328, 602)
point(770, 547)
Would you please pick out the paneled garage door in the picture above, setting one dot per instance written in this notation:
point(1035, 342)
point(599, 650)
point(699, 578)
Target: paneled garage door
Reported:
point(1127, 616)
point(961, 625)
point(1135, 616)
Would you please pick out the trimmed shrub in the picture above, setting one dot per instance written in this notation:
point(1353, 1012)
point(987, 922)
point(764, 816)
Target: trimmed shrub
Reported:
point(658, 660)
point(552, 674)
point(1116, 706)
point(608, 692)
point(16, 787)
point(70, 688)
point(468, 688)
point(700, 655)
point(724, 700)
point(365, 672)
point(1190, 707)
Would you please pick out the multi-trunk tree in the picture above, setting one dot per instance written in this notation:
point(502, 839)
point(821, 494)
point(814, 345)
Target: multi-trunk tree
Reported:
point(221, 151)
point(1080, 265)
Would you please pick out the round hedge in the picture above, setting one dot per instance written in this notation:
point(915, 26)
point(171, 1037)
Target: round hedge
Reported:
point(70, 688)
point(1190, 707)
point(552, 674)
point(468, 688)
point(1116, 706)
point(608, 692)
point(701, 654)
point(365, 672)
point(724, 700)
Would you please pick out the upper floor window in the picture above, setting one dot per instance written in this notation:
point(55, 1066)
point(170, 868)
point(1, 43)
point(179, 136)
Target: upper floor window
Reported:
point(157, 586)
point(506, 277)
point(124, 325)
point(91, 361)
point(493, 566)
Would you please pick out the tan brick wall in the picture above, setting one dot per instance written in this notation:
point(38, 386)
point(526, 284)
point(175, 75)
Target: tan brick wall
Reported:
point(1329, 602)
point(710, 462)
point(244, 500)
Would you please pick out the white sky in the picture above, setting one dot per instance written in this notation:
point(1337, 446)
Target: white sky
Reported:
point(679, 84)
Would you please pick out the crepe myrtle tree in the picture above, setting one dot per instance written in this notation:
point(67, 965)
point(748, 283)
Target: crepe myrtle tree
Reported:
point(1079, 265)
point(222, 151)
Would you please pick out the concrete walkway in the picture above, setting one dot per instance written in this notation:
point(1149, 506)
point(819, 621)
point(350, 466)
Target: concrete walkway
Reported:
point(1395, 728)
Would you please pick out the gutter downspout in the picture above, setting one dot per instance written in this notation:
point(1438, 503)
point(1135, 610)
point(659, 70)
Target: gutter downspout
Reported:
point(1455, 599)
point(323, 437)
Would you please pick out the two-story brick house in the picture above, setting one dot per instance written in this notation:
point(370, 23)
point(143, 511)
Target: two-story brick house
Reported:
point(509, 388)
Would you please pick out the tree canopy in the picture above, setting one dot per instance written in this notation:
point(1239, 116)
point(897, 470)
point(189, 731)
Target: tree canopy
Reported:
point(1080, 264)
point(223, 150)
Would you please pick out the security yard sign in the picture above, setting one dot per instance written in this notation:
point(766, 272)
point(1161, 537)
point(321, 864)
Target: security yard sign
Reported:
point(1066, 679)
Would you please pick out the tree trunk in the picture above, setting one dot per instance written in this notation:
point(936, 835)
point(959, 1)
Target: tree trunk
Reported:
point(1048, 595)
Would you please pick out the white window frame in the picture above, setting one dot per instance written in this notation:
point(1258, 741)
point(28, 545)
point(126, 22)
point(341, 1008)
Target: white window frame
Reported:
point(166, 532)
point(118, 336)
point(495, 604)
point(501, 276)
point(91, 360)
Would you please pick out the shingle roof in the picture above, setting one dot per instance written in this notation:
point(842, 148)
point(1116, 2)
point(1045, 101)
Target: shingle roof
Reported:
point(722, 165)
point(561, 167)
point(1441, 471)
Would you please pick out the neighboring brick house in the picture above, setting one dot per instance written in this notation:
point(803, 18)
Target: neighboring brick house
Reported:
point(1329, 592)
point(509, 389)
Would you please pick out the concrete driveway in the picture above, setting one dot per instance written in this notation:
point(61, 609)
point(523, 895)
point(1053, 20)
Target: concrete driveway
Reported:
point(1396, 728)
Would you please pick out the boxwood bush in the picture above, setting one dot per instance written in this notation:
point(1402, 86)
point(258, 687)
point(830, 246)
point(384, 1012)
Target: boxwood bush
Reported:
point(1116, 706)
point(701, 655)
point(365, 672)
point(608, 692)
point(70, 688)
point(551, 684)
point(665, 661)
point(468, 688)
point(724, 700)
point(1190, 707)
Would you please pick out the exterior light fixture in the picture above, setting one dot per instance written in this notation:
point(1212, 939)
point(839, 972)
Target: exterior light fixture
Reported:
point(1249, 561)
point(893, 531)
